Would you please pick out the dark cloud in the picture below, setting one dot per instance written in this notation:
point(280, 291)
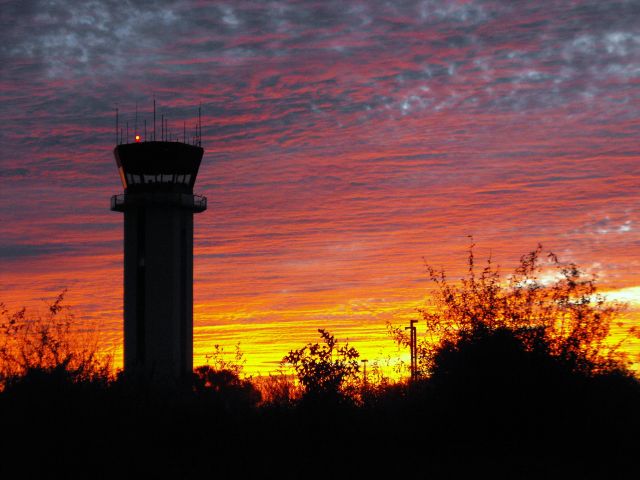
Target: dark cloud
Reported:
point(14, 172)
point(20, 251)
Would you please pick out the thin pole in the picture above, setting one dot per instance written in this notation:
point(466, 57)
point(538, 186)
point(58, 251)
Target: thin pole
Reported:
point(127, 132)
point(117, 127)
point(184, 132)
point(413, 348)
point(364, 363)
point(413, 365)
point(162, 127)
point(413, 333)
point(135, 128)
point(145, 129)
point(200, 124)
point(154, 119)
point(415, 360)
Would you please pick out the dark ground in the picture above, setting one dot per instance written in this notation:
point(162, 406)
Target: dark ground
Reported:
point(547, 426)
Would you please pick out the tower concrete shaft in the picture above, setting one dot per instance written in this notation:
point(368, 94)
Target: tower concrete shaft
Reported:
point(158, 206)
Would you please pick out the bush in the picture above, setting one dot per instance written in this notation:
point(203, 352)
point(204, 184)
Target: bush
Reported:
point(221, 382)
point(566, 318)
point(325, 371)
point(225, 387)
point(277, 390)
point(51, 345)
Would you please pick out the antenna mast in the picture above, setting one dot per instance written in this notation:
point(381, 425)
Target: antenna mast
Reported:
point(200, 124)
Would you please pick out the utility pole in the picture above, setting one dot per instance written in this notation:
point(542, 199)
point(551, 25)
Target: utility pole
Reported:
point(364, 367)
point(413, 347)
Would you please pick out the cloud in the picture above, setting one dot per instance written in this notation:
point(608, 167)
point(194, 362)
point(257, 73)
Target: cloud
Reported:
point(608, 226)
point(14, 172)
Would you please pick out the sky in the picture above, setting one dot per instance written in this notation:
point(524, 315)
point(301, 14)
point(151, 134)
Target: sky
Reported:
point(347, 143)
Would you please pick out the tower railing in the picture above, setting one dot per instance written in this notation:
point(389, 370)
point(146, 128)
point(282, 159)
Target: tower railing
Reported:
point(121, 202)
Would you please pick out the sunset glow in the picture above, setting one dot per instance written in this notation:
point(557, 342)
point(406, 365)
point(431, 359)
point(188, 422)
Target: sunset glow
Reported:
point(346, 144)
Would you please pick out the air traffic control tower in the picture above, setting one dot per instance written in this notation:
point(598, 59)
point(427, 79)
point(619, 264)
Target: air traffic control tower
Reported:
point(158, 205)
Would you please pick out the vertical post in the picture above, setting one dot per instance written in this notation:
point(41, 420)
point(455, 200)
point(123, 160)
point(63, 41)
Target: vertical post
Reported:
point(145, 129)
point(117, 126)
point(413, 364)
point(413, 348)
point(154, 119)
point(200, 125)
point(364, 366)
point(413, 352)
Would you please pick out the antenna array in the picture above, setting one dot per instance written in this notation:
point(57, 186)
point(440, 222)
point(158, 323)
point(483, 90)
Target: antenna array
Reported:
point(122, 135)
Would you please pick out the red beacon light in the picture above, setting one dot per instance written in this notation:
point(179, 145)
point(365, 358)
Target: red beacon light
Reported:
point(137, 138)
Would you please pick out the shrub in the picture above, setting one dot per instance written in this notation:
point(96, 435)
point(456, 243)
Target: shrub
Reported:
point(225, 387)
point(566, 318)
point(324, 370)
point(36, 346)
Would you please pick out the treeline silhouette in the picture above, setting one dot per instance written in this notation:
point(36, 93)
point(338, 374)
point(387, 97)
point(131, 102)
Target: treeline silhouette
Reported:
point(518, 377)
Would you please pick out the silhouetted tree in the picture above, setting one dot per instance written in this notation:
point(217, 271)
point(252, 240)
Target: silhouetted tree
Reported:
point(523, 363)
point(225, 388)
point(220, 380)
point(325, 371)
point(277, 389)
point(219, 361)
point(552, 308)
point(48, 348)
